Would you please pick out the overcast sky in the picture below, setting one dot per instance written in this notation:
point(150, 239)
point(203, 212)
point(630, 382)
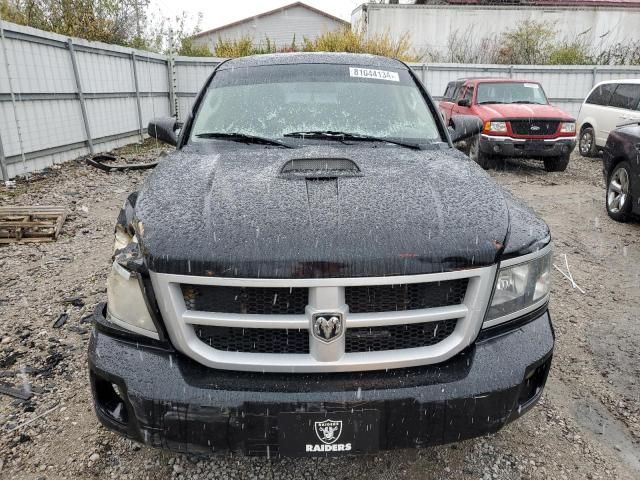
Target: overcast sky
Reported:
point(220, 12)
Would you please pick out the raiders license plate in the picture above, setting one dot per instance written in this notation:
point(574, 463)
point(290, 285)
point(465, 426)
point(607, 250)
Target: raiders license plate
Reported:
point(335, 433)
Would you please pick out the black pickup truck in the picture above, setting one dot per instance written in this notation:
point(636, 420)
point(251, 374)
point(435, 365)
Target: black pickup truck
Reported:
point(317, 271)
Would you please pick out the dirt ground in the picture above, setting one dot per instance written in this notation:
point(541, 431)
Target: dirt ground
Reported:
point(586, 427)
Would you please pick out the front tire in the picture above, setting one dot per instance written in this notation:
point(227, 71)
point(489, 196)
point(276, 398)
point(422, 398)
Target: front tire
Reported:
point(587, 143)
point(485, 160)
point(618, 197)
point(556, 164)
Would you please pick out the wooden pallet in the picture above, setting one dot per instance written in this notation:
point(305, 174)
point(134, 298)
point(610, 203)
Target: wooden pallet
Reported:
point(31, 224)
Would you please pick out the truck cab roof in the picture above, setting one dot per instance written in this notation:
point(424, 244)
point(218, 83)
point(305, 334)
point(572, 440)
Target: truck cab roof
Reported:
point(366, 60)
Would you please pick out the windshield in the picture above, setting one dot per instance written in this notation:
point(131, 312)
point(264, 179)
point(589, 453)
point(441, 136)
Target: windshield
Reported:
point(273, 101)
point(507, 92)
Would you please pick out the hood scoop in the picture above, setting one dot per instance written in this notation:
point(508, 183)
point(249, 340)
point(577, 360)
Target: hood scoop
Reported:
point(310, 168)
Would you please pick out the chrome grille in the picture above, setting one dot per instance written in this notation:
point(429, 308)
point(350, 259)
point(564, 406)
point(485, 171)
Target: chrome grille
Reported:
point(411, 296)
point(254, 340)
point(398, 337)
point(251, 301)
point(262, 325)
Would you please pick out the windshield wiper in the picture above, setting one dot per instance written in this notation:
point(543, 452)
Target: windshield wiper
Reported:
point(529, 102)
point(332, 135)
point(488, 102)
point(244, 138)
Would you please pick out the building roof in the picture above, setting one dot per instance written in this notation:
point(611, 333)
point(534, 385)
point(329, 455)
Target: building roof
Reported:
point(271, 12)
point(550, 3)
point(360, 59)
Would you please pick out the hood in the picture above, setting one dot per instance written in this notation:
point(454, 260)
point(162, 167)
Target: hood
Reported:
point(521, 110)
point(233, 213)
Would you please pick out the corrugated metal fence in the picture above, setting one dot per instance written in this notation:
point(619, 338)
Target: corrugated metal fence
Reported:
point(63, 98)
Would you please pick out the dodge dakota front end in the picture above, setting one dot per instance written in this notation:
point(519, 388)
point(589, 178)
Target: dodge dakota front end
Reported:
point(317, 271)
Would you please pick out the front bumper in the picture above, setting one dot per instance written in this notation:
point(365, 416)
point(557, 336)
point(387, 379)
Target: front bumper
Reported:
point(515, 147)
point(164, 399)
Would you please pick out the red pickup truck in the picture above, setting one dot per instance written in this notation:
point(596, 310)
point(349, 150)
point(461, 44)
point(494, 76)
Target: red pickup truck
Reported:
point(518, 121)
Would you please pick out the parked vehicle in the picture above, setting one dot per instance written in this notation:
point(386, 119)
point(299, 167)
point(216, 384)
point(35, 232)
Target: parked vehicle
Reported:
point(621, 162)
point(608, 105)
point(317, 270)
point(518, 121)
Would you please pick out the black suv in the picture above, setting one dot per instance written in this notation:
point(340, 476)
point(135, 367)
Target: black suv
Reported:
point(316, 270)
point(621, 161)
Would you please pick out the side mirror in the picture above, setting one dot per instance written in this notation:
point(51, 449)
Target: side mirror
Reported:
point(464, 102)
point(164, 129)
point(463, 127)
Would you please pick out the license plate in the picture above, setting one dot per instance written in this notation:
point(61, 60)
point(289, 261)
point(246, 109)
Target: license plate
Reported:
point(535, 145)
point(335, 433)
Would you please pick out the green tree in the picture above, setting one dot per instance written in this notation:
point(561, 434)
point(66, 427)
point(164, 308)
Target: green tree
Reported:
point(120, 22)
point(530, 43)
point(570, 54)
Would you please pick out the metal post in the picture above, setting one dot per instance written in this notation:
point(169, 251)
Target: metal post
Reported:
point(13, 103)
point(173, 100)
point(511, 71)
point(135, 80)
point(83, 107)
point(171, 74)
point(3, 163)
point(594, 79)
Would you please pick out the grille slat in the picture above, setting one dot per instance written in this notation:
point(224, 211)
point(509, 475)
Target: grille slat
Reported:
point(411, 296)
point(534, 127)
point(398, 337)
point(250, 301)
point(254, 340)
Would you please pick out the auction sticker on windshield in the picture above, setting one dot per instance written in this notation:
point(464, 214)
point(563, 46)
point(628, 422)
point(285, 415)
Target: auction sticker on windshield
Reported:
point(376, 74)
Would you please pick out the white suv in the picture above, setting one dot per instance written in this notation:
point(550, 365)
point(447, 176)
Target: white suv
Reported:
point(607, 106)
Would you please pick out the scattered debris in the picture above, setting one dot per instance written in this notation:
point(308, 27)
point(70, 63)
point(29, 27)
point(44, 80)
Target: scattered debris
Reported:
point(7, 389)
point(61, 320)
point(10, 359)
point(13, 373)
point(80, 330)
point(98, 162)
point(31, 224)
point(47, 412)
point(568, 275)
point(75, 301)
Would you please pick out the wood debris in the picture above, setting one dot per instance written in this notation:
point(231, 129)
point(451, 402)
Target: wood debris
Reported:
point(31, 224)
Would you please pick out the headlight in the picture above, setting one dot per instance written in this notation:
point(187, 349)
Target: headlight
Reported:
point(568, 127)
point(520, 288)
point(126, 306)
point(122, 239)
point(498, 127)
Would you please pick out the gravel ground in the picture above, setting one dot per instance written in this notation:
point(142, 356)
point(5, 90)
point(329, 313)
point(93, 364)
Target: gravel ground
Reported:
point(586, 426)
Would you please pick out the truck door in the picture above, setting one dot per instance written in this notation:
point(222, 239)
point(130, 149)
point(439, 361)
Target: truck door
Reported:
point(467, 97)
point(449, 100)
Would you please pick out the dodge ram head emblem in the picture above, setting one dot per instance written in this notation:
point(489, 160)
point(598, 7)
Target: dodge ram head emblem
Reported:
point(327, 326)
point(328, 431)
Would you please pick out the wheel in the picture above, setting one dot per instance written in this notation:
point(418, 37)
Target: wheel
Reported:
point(619, 192)
point(556, 164)
point(484, 160)
point(587, 143)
